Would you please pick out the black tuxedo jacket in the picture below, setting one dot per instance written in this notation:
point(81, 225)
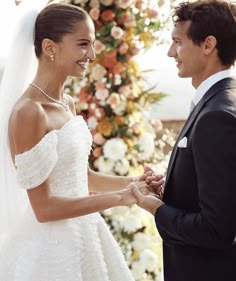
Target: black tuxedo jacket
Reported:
point(198, 221)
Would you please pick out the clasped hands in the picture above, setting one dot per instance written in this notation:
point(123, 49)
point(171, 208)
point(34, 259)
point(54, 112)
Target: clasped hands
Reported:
point(148, 190)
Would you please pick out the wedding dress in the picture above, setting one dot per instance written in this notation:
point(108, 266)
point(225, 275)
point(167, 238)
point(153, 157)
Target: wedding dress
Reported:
point(78, 249)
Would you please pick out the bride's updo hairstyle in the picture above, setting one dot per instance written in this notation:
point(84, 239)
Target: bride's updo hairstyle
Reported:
point(54, 21)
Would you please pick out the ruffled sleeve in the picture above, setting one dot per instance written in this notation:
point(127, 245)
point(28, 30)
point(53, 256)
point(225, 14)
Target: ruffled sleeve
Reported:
point(34, 166)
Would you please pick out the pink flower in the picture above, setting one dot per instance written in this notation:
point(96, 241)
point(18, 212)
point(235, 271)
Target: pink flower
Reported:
point(99, 47)
point(125, 91)
point(113, 100)
point(98, 139)
point(153, 13)
point(124, 47)
point(101, 94)
point(117, 32)
point(157, 124)
point(100, 85)
point(94, 13)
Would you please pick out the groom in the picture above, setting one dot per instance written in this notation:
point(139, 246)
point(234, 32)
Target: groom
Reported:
point(197, 217)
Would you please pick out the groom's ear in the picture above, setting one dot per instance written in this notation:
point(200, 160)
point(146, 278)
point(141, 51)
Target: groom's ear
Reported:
point(48, 47)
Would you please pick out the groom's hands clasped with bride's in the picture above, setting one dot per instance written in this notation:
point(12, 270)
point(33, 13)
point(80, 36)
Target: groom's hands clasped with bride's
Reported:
point(149, 197)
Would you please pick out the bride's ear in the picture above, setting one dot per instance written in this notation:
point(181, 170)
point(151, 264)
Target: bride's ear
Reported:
point(49, 48)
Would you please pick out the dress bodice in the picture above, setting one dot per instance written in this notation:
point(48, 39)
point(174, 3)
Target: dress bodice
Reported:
point(62, 157)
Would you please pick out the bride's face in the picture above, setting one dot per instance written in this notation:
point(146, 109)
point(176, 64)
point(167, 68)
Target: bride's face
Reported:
point(76, 49)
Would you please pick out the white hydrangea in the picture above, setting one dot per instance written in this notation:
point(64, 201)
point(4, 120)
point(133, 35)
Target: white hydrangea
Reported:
point(114, 149)
point(141, 241)
point(105, 165)
point(146, 145)
point(130, 223)
point(137, 270)
point(122, 167)
point(149, 260)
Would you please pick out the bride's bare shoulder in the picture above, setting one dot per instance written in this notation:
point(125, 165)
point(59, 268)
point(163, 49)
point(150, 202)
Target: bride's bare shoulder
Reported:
point(27, 125)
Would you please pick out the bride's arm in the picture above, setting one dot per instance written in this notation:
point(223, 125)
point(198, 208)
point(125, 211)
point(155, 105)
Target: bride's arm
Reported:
point(28, 125)
point(98, 182)
point(52, 208)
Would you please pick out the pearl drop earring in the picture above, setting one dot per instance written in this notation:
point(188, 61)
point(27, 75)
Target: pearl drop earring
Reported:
point(52, 57)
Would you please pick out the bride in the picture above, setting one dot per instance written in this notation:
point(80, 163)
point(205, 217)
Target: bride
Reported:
point(55, 233)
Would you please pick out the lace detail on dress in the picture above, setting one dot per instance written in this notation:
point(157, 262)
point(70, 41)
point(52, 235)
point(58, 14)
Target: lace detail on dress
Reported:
point(34, 166)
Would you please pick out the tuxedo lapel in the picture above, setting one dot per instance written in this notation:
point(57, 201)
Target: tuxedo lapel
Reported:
point(219, 86)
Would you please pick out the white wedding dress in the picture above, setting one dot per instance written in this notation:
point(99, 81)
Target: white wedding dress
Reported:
point(79, 249)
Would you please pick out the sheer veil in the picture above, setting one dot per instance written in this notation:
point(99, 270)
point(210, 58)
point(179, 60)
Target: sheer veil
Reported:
point(19, 70)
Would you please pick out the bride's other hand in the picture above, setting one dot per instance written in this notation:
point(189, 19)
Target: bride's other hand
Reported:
point(127, 195)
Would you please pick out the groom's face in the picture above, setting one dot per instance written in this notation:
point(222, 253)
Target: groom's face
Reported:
point(189, 57)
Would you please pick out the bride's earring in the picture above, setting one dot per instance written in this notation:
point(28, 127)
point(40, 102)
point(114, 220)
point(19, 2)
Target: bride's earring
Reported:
point(52, 57)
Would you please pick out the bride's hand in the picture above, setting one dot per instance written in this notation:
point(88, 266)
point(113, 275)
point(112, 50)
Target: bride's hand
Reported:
point(127, 195)
point(149, 201)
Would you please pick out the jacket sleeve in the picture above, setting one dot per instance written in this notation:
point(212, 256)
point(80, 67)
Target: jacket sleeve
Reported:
point(214, 152)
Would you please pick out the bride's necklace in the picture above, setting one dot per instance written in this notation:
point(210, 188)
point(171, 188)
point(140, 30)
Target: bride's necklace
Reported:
point(64, 104)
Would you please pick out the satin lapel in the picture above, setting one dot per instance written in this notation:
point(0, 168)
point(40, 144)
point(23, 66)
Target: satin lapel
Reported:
point(219, 86)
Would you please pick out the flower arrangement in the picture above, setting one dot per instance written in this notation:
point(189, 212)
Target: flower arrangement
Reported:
point(115, 103)
point(112, 98)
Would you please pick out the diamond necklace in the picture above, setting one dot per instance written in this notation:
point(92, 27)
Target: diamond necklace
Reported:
point(64, 104)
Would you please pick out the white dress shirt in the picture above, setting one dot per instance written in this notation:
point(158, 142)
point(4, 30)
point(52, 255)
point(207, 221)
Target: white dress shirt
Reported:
point(209, 82)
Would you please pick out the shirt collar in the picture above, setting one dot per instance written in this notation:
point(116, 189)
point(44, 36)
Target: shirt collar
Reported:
point(209, 82)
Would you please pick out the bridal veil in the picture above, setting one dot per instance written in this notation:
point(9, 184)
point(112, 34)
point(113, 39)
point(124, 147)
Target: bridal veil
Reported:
point(19, 69)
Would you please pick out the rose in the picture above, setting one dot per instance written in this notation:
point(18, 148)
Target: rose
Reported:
point(107, 15)
point(117, 32)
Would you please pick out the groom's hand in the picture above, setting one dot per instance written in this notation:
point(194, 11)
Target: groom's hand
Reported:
point(149, 202)
point(154, 181)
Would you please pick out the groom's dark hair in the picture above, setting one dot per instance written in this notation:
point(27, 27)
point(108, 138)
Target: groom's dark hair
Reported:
point(211, 17)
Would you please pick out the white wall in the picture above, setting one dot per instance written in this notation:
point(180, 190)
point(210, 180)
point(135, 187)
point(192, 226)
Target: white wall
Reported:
point(180, 90)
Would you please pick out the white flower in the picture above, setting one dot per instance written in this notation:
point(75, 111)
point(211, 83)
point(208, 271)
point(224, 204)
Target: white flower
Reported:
point(120, 109)
point(117, 32)
point(92, 122)
point(117, 79)
point(82, 2)
point(121, 211)
point(98, 72)
point(106, 2)
point(101, 94)
point(149, 260)
point(94, 3)
point(105, 165)
point(124, 4)
point(114, 149)
point(130, 223)
point(141, 241)
point(146, 145)
point(122, 167)
point(138, 270)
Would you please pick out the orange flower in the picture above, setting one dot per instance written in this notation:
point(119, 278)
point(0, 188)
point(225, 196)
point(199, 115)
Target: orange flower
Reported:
point(118, 68)
point(119, 120)
point(109, 59)
point(107, 15)
point(84, 95)
point(105, 128)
